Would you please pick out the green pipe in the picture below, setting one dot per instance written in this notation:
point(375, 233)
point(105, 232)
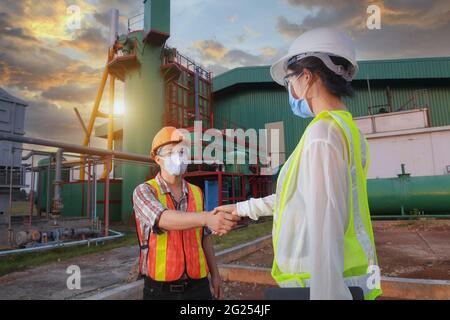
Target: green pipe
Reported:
point(405, 194)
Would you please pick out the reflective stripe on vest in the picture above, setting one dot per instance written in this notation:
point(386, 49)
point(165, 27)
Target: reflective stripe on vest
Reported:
point(173, 252)
point(359, 246)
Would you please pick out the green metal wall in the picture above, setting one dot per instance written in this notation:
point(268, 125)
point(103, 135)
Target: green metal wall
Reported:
point(438, 99)
point(254, 105)
point(42, 183)
point(72, 195)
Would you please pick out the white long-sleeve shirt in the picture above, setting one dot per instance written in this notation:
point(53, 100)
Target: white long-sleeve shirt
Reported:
point(311, 237)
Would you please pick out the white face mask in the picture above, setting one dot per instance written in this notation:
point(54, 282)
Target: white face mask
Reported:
point(175, 164)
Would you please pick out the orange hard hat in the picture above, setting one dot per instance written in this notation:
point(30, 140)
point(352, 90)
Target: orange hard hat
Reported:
point(165, 136)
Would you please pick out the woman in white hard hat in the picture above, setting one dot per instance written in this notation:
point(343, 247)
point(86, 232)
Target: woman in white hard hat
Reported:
point(322, 232)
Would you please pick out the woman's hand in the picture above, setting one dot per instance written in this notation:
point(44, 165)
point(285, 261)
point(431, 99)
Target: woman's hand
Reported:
point(230, 208)
point(216, 282)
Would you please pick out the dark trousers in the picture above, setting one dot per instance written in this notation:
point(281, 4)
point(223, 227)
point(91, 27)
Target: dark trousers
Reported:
point(189, 289)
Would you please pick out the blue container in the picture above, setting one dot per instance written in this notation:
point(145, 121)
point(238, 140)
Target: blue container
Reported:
point(211, 194)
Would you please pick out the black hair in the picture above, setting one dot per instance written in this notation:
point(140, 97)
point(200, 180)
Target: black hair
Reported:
point(334, 83)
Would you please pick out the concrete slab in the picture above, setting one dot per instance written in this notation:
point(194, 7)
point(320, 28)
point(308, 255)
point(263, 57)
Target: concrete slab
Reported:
point(393, 288)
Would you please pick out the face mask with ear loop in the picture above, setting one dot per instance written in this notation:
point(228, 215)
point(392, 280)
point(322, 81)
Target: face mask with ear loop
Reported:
point(300, 107)
point(175, 164)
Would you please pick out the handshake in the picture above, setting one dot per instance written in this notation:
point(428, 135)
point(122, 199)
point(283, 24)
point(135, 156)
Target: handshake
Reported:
point(223, 219)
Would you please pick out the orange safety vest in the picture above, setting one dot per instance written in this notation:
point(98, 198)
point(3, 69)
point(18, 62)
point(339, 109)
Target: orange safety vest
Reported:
point(169, 255)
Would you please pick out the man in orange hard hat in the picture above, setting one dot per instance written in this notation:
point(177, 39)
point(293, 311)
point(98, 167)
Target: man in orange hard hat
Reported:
point(173, 230)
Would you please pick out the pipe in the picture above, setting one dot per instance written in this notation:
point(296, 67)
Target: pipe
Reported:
point(76, 148)
point(196, 94)
point(49, 173)
point(10, 193)
point(31, 195)
point(110, 119)
point(114, 27)
point(37, 153)
point(89, 190)
point(95, 192)
point(65, 244)
point(94, 114)
point(106, 195)
point(57, 203)
point(407, 193)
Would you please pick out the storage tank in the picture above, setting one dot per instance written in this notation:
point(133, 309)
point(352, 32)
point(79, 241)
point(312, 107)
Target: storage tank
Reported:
point(140, 70)
point(409, 195)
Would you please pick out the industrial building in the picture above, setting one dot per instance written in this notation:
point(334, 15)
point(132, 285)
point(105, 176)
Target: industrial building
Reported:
point(402, 106)
point(77, 191)
point(12, 171)
point(252, 99)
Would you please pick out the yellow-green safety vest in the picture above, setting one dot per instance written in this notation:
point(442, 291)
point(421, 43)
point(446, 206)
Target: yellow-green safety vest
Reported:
point(359, 247)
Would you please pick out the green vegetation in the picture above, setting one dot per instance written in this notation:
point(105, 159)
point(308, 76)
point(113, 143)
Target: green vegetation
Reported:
point(21, 261)
point(18, 262)
point(22, 208)
point(238, 236)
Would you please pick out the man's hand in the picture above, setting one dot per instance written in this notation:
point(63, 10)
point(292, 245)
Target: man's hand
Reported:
point(230, 209)
point(216, 283)
point(221, 222)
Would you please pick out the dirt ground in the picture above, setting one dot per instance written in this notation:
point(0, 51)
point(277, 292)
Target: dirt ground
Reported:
point(244, 291)
point(407, 249)
point(416, 249)
point(98, 271)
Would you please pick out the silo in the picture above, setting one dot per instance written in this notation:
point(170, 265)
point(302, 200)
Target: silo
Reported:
point(140, 69)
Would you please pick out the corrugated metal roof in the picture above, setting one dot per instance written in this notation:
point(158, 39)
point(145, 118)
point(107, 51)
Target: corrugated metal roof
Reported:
point(5, 96)
point(419, 68)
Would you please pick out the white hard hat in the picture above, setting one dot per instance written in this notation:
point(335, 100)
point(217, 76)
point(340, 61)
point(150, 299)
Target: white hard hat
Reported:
point(321, 43)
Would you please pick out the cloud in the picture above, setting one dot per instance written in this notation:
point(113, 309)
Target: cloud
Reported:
point(210, 49)
point(104, 19)
point(287, 29)
point(70, 93)
point(410, 28)
point(38, 68)
point(90, 40)
point(35, 64)
point(269, 52)
point(8, 30)
point(232, 18)
point(58, 124)
point(125, 7)
point(219, 58)
point(247, 33)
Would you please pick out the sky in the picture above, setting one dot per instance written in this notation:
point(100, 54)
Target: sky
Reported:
point(56, 68)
